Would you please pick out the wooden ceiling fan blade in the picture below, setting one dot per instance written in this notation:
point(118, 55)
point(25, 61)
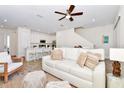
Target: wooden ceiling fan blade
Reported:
point(71, 8)
point(71, 19)
point(76, 14)
point(60, 13)
point(62, 18)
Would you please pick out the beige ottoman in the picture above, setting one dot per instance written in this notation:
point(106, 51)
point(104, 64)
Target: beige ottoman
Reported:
point(58, 84)
point(36, 79)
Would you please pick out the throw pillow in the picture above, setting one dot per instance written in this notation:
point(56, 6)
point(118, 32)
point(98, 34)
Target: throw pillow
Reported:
point(91, 61)
point(81, 59)
point(95, 54)
point(9, 59)
point(57, 54)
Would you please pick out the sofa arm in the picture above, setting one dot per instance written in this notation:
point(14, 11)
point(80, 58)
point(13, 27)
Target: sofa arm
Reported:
point(44, 59)
point(99, 76)
point(5, 67)
point(17, 59)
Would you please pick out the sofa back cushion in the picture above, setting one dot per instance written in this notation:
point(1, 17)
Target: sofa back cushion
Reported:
point(73, 53)
point(70, 53)
point(4, 57)
point(57, 54)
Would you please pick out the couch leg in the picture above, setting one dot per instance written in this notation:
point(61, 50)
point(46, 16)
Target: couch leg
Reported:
point(6, 78)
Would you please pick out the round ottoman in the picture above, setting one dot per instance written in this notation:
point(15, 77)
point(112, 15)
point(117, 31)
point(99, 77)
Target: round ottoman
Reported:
point(36, 79)
point(58, 84)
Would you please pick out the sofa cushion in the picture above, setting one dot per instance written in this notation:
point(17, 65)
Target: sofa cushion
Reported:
point(96, 55)
point(9, 59)
point(4, 57)
point(63, 51)
point(11, 67)
point(81, 59)
point(51, 63)
point(83, 73)
point(57, 54)
point(92, 61)
point(65, 65)
point(99, 51)
point(72, 53)
point(71, 67)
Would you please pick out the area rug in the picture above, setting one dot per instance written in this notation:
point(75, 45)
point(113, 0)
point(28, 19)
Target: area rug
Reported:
point(15, 80)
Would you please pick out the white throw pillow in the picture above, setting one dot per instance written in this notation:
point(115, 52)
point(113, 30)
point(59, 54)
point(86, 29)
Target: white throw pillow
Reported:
point(9, 59)
point(2, 58)
point(5, 58)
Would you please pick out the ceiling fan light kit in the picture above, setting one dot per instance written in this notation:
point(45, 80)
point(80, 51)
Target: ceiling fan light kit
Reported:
point(68, 16)
point(69, 13)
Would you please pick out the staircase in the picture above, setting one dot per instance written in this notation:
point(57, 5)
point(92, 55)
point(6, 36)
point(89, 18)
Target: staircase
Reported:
point(86, 43)
point(69, 38)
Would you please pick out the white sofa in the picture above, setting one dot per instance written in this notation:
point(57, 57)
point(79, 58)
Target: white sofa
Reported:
point(67, 69)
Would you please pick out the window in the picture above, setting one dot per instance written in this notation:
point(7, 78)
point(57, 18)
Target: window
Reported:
point(8, 41)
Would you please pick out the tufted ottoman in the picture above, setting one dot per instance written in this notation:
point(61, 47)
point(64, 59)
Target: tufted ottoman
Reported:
point(58, 84)
point(35, 79)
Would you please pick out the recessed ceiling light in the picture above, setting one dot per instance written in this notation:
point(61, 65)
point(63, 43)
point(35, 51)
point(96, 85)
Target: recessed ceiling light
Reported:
point(40, 16)
point(5, 20)
point(93, 20)
point(61, 25)
point(24, 25)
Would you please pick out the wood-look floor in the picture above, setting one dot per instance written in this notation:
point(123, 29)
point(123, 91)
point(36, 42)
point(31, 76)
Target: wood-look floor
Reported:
point(15, 80)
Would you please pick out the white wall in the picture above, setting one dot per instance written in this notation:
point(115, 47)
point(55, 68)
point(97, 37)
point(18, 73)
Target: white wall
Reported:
point(120, 29)
point(26, 37)
point(13, 40)
point(69, 38)
point(37, 36)
point(95, 35)
point(23, 40)
point(1, 40)
point(116, 36)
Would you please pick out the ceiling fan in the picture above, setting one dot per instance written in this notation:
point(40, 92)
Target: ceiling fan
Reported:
point(69, 13)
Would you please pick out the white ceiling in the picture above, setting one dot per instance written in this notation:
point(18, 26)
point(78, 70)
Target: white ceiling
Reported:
point(27, 16)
